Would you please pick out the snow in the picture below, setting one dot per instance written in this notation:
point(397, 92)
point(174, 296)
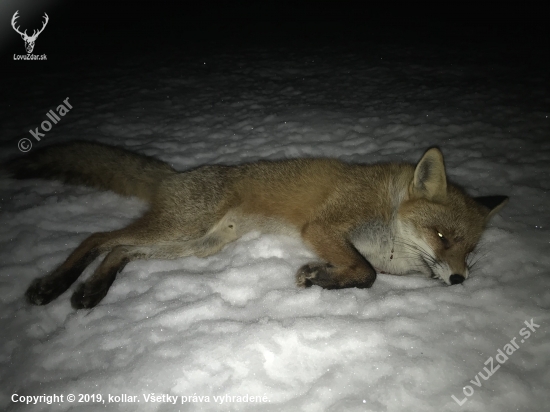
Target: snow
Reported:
point(234, 326)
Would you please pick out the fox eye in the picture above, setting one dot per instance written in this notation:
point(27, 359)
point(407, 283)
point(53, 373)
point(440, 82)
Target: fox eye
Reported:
point(444, 240)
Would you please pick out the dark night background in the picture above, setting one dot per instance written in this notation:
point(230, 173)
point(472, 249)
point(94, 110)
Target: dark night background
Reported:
point(104, 32)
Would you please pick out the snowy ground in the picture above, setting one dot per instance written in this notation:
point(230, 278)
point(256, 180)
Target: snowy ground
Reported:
point(234, 324)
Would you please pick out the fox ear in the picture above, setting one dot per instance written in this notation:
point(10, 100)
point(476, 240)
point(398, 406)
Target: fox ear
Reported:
point(430, 180)
point(493, 203)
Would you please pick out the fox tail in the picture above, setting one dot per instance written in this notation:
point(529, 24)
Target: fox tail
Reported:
point(93, 164)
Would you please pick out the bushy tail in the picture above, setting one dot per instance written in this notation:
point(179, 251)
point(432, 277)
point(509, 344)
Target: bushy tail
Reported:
point(95, 165)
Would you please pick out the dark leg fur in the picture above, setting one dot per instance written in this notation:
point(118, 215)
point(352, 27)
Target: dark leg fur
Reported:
point(346, 268)
point(88, 294)
point(329, 277)
point(43, 290)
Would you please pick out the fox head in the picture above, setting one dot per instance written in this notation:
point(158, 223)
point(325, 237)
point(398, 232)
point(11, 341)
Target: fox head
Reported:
point(440, 224)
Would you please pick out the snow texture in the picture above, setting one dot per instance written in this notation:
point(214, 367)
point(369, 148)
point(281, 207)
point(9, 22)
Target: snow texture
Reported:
point(234, 324)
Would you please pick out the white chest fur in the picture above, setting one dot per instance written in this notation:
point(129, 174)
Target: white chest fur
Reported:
point(389, 248)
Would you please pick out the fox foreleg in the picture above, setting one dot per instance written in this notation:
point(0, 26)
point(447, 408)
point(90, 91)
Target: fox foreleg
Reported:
point(344, 267)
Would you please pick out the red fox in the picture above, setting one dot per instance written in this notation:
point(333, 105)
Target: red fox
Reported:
point(359, 219)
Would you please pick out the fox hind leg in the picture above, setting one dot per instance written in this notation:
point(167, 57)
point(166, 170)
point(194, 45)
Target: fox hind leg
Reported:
point(182, 210)
point(47, 288)
point(89, 293)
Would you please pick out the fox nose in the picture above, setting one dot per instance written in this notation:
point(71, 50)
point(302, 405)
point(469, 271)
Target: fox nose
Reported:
point(456, 279)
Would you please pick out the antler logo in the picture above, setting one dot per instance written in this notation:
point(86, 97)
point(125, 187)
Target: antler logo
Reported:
point(29, 40)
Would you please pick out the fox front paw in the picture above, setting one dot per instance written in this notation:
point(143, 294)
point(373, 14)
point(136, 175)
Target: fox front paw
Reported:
point(311, 273)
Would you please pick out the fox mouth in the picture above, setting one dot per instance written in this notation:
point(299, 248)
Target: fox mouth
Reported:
point(435, 275)
point(448, 282)
point(454, 279)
